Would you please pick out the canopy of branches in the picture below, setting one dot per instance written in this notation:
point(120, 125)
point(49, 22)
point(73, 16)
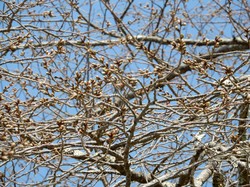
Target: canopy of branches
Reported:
point(124, 93)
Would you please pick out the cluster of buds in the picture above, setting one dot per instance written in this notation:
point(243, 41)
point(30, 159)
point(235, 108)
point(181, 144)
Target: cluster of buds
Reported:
point(95, 66)
point(145, 73)
point(196, 106)
point(206, 65)
point(112, 134)
point(159, 71)
point(132, 81)
point(118, 63)
point(14, 44)
point(60, 47)
point(179, 44)
point(193, 64)
point(115, 68)
point(235, 139)
point(61, 126)
point(201, 67)
point(78, 78)
point(141, 46)
point(92, 53)
point(93, 86)
point(8, 153)
point(107, 73)
point(228, 70)
point(3, 137)
point(217, 41)
point(119, 84)
point(48, 13)
point(181, 23)
point(84, 127)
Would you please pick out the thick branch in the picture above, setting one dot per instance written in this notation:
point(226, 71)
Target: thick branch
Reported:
point(80, 43)
point(244, 173)
point(205, 174)
point(185, 179)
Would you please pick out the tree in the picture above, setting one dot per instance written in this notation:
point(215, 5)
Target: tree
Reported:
point(124, 93)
